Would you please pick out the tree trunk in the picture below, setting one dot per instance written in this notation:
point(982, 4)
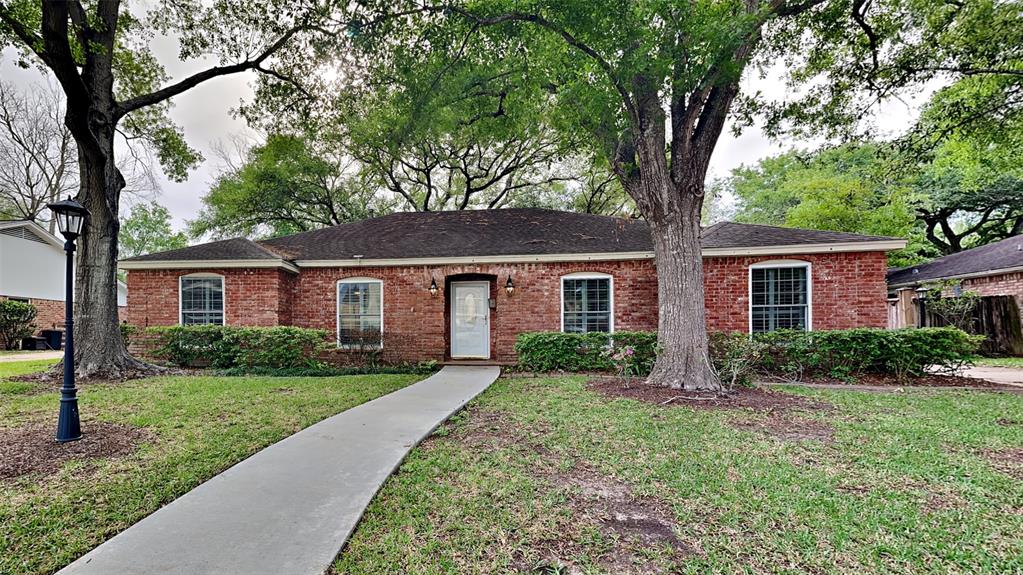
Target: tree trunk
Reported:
point(99, 348)
point(684, 361)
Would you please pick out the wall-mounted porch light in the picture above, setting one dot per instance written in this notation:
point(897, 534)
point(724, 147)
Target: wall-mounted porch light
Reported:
point(433, 287)
point(509, 286)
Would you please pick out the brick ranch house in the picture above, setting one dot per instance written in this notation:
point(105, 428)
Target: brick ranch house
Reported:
point(451, 285)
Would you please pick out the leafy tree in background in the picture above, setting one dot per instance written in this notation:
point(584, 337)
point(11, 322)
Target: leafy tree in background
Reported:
point(99, 54)
point(287, 185)
point(849, 188)
point(147, 230)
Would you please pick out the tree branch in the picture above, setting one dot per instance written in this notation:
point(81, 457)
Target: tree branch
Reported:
point(194, 80)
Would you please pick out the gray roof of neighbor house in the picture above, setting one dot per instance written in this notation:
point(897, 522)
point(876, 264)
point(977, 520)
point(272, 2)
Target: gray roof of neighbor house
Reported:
point(482, 233)
point(985, 260)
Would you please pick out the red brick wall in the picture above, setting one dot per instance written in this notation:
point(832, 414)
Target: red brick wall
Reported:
point(50, 313)
point(415, 322)
point(1002, 284)
point(848, 290)
point(252, 296)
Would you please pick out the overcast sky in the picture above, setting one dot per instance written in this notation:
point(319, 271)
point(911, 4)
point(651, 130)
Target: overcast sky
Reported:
point(204, 114)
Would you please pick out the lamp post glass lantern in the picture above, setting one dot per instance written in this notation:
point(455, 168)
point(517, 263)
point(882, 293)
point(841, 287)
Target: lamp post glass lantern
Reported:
point(70, 216)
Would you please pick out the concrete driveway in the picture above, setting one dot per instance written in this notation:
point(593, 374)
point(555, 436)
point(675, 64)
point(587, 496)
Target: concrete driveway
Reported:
point(31, 355)
point(1003, 375)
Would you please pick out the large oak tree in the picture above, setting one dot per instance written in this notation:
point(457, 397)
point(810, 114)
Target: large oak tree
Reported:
point(99, 53)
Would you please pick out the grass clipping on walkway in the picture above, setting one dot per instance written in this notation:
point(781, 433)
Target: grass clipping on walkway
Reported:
point(146, 443)
point(555, 476)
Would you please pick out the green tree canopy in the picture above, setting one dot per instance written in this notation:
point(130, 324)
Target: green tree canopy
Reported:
point(147, 229)
point(286, 185)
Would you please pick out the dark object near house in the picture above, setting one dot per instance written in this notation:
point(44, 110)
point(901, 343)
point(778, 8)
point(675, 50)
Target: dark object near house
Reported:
point(54, 338)
point(34, 343)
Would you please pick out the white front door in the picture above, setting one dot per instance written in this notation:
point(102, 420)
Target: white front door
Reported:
point(470, 320)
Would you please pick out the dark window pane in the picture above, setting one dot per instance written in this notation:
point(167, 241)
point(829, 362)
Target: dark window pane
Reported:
point(779, 298)
point(359, 314)
point(202, 301)
point(587, 305)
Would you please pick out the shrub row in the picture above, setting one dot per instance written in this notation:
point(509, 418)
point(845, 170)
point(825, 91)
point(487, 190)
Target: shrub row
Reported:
point(838, 353)
point(844, 353)
point(555, 351)
point(226, 347)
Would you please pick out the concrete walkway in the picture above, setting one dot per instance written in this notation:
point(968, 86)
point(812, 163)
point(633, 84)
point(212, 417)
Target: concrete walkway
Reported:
point(31, 355)
point(289, 508)
point(1003, 375)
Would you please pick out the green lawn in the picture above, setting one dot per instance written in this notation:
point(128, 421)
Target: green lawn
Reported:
point(1000, 361)
point(545, 476)
point(192, 428)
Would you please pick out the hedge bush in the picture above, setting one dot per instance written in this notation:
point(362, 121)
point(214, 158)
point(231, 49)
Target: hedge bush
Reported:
point(226, 347)
point(16, 319)
point(844, 353)
point(555, 351)
point(838, 353)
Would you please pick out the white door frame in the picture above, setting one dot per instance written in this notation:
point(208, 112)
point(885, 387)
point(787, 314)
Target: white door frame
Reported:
point(486, 318)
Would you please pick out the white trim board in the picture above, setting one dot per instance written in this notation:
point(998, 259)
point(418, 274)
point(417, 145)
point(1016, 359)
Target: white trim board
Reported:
point(794, 249)
point(205, 264)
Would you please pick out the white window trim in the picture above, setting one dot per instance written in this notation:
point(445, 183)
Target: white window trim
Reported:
point(223, 289)
point(781, 264)
point(337, 307)
point(589, 276)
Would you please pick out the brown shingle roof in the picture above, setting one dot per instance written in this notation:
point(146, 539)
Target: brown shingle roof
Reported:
point(232, 249)
point(1005, 254)
point(521, 231)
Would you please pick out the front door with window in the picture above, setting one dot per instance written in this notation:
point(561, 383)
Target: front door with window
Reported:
point(470, 320)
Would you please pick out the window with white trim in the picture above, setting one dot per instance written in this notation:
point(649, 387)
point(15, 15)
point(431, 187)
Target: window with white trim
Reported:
point(202, 300)
point(360, 313)
point(586, 303)
point(779, 297)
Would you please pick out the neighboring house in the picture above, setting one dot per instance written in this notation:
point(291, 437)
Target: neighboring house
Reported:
point(992, 270)
point(32, 267)
point(442, 285)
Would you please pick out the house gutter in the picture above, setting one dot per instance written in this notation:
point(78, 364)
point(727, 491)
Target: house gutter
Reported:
point(972, 275)
point(129, 265)
point(787, 250)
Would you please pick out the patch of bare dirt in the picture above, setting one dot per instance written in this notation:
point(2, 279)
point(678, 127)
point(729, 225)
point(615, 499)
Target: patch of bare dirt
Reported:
point(32, 449)
point(1008, 461)
point(788, 428)
point(635, 523)
point(756, 399)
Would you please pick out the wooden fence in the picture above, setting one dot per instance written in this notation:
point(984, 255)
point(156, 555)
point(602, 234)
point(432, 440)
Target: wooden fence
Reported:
point(998, 318)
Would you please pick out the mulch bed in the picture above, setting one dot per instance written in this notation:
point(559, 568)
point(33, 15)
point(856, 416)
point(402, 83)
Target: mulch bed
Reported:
point(883, 380)
point(32, 449)
point(756, 399)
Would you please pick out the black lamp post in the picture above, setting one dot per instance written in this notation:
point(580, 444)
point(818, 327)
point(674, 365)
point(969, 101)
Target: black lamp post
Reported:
point(70, 218)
